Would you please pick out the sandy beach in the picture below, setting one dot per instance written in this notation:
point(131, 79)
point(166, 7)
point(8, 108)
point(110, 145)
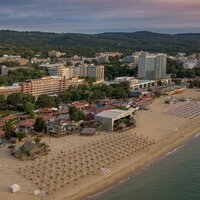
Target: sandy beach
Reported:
point(80, 166)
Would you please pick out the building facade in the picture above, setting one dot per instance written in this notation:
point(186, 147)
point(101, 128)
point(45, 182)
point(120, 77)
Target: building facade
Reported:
point(7, 90)
point(136, 84)
point(60, 71)
point(48, 85)
point(16, 59)
point(97, 71)
point(4, 70)
point(56, 54)
point(109, 54)
point(77, 71)
point(152, 66)
point(108, 117)
point(161, 66)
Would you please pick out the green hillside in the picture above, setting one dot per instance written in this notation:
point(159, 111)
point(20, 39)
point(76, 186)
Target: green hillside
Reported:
point(29, 43)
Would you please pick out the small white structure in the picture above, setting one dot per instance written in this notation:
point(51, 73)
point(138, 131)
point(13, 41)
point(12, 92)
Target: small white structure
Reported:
point(36, 192)
point(175, 129)
point(14, 188)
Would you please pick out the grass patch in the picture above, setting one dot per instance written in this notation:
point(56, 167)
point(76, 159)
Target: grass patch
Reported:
point(4, 113)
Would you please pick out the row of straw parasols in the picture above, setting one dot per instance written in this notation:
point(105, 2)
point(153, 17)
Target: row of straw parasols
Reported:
point(67, 168)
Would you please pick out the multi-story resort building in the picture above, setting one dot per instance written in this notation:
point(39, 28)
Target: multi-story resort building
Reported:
point(152, 66)
point(79, 71)
point(56, 54)
point(7, 90)
point(97, 71)
point(60, 71)
point(45, 85)
point(109, 54)
point(48, 85)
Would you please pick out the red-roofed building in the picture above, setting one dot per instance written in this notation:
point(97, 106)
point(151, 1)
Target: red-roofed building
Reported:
point(25, 125)
point(144, 101)
point(2, 134)
point(9, 117)
point(107, 107)
point(90, 111)
point(1, 123)
point(45, 111)
point(23, 117)
point(47, 118)
point(63, 112)
point(80, 105)
point(96, 110)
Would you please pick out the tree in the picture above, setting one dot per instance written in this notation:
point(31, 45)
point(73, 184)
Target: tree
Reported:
point(2, 102)
point(90, 79)
point(19, 75)
point(9, 131)
point(39, 125)
point(37, 139)
point(65, 97)
point(159, 83)
point(119, 93)
point(21, 135)
point(190, 73)
point(107, 89)
point(76, 114)
point(97, 94)
point(57, 101)
point(75, 95)
point(29, 109)
point(18, 100)
point(45, 101)
point(177, 82)
point(125, 86)
point(157, 93)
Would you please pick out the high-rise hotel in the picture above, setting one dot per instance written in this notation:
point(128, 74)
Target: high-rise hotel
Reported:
point(152, 66)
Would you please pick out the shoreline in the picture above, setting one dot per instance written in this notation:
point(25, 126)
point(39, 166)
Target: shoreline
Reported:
point(146, 160)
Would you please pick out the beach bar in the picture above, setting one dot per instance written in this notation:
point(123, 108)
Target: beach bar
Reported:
point(108, 117)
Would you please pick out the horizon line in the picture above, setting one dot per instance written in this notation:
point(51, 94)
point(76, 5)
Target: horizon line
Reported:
point(35, 31)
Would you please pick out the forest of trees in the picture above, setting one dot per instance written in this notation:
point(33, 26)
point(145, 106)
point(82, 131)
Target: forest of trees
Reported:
point(22, 74)
point(115, 69)
point(178, 71)
point(92, 93)
point(27, 44)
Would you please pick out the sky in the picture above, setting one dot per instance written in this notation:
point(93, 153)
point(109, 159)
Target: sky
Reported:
point(97, 16)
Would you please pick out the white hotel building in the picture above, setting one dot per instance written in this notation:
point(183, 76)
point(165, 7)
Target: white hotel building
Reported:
point(152, 66)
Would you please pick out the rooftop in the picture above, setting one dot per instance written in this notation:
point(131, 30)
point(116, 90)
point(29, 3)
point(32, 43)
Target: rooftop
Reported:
point(146, 81)
point(11, 87)
point(9, 117)
point(114, 113)
point(2, 134)
point(27, 123)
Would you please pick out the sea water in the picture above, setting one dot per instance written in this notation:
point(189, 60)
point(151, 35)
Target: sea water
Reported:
point(175, 176)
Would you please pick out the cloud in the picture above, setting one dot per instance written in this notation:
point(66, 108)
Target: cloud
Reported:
point(92, 16)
